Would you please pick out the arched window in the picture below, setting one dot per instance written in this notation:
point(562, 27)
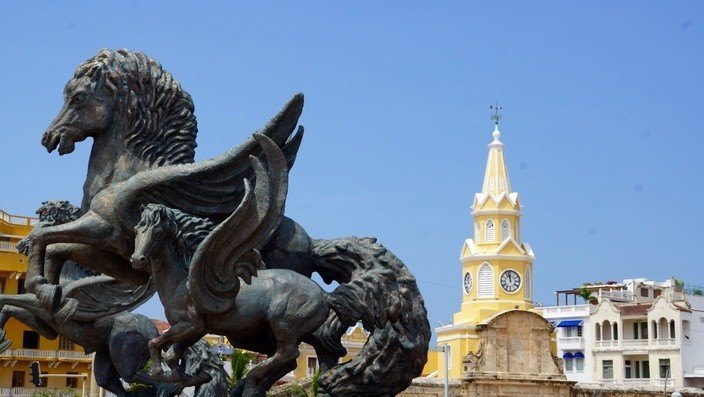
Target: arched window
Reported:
point(485, 286)
point(477, 232)
point(505, 229)
point(672, 329)
point(597, 331)
point(528, 286)
point(489, 231)
point(654, 327)
point(606, 330)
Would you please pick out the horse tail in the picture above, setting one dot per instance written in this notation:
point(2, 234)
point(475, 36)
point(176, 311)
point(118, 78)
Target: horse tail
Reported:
point(377, 289)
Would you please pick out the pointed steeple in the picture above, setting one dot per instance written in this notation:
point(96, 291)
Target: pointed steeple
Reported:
point(496, 179)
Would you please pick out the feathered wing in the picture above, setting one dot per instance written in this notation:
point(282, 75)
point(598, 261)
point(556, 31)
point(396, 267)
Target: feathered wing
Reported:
point(214, 188)
point(95, 297)
point(230, 251)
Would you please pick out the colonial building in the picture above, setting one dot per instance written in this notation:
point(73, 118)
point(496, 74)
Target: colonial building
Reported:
point(638, 333)
point(56, 357)
point(496, 265)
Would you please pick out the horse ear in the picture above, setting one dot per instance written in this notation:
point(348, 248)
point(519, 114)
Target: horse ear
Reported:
point(97, 79)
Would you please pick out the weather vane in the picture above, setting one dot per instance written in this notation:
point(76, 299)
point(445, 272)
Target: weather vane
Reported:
point(496, 116)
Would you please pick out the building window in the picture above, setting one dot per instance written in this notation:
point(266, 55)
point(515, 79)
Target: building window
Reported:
point(597, 331)
point(579, 330)
point(20, 287)
point(672, 329)
point(665, 368)
point(312, 365)
point(644, 330)
point(646, 369)
point(489, 231)
point(65, 344)
point(30, 340)
point(505, 229)
point(654, 324)
point(528, 289)
point(615, 331)
point(607, 369)
point(644, 292)
point(657, 293)
point(579, 362)
point(72, 382)
point(569, 362)
point(18, 378)
point(627, 369)
point(485, 287)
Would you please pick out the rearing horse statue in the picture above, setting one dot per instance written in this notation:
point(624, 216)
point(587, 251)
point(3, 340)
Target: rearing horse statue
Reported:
point(144, 130)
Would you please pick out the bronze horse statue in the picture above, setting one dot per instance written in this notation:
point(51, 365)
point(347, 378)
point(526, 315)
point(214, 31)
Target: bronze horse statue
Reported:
point(143, 129)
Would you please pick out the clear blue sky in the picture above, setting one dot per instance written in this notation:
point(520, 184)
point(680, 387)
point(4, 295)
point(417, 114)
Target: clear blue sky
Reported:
point(602, 102)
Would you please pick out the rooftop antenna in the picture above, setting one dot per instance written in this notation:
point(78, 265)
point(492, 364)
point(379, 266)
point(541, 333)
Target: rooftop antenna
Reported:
point(496, 116)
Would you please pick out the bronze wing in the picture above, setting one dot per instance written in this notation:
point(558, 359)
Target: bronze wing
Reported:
point(213, 188)
point(230, 251)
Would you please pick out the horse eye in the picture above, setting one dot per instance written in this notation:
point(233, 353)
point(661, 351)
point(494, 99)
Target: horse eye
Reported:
point(78, 98)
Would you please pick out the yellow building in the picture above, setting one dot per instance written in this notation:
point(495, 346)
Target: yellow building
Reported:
point(57, 356)
point(496, 265)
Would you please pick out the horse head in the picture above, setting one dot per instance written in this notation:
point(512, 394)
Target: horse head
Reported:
point(128, 94)
point(155, 230)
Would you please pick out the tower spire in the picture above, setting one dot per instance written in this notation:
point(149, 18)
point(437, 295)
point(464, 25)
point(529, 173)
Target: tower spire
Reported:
point(496, 175)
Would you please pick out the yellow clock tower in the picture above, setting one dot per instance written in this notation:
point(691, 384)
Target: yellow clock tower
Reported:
point(496, 265)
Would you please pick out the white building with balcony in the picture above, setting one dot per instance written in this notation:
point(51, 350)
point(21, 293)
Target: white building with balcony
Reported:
point(573, 343)
point(639, 333)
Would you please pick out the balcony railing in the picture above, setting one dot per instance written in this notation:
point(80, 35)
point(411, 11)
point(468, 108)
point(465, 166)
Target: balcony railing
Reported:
point(636, 381)
point(639, 344)
point(46, 354)
point(617, 295)
point(569, 310)
point(606, 343)
point(635, 343)
point(7, 246)
point(17, 219)
point(669, 342)
point(570, 342)
point(29, 392)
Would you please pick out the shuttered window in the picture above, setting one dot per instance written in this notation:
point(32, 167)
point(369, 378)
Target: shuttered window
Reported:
point(505, 229)
point(489, 231)
point(485, 287)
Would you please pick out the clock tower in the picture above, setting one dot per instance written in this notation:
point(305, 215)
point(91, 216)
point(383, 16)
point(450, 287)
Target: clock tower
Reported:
point(497, 266)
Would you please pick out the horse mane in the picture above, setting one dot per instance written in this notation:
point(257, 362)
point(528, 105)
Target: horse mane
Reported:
point(164, 127)
point(188, 230)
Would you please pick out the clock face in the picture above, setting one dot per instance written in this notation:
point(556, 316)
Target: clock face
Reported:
point(467, 283)
point(510, 281)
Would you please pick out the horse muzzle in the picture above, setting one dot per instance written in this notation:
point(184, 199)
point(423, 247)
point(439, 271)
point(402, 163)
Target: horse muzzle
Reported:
point(139, 262)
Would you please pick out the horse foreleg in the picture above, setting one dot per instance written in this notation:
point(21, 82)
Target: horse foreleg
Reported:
point(28, 318)
point(97, 259)
point(89, 229)
point(182, 331)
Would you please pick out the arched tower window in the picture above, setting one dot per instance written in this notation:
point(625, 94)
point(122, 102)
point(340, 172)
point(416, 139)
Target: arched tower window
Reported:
point(477, 232)
point(505, 229)
point(489, 231)
point(485, 286)
point(528, 286)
